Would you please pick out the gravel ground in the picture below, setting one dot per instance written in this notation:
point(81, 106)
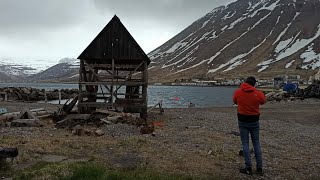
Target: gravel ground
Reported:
point(198, 142)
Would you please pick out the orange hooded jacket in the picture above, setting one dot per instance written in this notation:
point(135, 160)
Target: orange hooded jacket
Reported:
point(248, 99)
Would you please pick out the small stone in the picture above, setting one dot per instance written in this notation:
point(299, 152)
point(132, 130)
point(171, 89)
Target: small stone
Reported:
point(99, 132)
point(210, 152)
point(78, 132)
point(8, 124)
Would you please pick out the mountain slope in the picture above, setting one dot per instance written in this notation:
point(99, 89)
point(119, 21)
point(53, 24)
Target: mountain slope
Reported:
point(65, 71)
point(248, 37)
point(18, 71)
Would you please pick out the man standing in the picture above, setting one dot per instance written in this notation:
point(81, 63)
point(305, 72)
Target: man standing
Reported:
point(248, 99)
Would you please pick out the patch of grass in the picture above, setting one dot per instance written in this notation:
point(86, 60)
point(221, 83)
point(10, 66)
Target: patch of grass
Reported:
point(43, 170)
point(90, 171)
point(133, 142)
point(5, 168)
point(86, 171)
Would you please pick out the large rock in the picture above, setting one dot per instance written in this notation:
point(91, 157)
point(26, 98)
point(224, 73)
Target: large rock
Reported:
point(33, 96)
point(25, 90)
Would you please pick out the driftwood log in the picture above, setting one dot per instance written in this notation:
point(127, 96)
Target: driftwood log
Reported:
point(8, 153)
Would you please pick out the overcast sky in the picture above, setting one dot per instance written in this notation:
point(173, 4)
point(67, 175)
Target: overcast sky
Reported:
point(54, 29)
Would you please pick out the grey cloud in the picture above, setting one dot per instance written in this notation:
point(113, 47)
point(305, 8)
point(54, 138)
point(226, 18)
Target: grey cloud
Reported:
point(168, 12)
point(40, 16)
point(58, 27)
point(24, 15)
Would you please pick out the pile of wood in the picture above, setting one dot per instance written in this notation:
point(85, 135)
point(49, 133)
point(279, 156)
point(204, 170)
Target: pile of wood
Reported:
point(27, 118)
point(98, 119)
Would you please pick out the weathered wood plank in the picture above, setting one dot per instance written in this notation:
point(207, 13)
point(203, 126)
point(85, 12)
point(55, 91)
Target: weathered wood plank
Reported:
point(114, 83)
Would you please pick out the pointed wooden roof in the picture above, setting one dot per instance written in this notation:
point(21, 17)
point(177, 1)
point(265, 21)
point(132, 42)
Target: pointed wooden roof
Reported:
point(114, 42)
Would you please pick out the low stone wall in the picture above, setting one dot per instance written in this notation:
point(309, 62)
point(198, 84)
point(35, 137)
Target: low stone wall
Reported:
point(32, 94)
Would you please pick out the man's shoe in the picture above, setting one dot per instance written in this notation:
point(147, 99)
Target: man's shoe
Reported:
point(260, 171)
point(247, 171)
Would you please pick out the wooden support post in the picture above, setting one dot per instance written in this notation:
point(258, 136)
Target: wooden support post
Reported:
point(112, 82)
point(59, 96)
point(158, 104)
point(80, 109)
point(102, 93)
point(134, 71)
point(45, 97)
point(90, 68)
point(144, 112)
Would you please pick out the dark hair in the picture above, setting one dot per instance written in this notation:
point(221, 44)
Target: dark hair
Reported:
point(251, 80)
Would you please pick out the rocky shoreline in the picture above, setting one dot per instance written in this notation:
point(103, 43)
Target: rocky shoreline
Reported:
point(32, 94)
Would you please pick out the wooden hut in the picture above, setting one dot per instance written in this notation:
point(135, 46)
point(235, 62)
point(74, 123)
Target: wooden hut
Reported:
point(113, 72)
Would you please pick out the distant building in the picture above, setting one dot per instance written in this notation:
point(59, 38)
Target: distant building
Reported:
point(237, 82)
point(280, 80)
point(293, 79)
point(265, 82)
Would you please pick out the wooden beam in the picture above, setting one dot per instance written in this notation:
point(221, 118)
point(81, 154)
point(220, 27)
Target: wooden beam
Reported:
point(102, 105)
point(145, 79)
point(131, 73)
point(90, 68)
point(112, 83)
point(118, 66)
point(127, 83)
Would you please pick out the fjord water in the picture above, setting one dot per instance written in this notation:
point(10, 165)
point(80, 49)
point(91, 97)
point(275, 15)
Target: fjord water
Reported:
point(172, 96)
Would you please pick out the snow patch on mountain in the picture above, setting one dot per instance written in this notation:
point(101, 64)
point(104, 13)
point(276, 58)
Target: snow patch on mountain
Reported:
point(176, 46)
point(219, 52)
point(205, 23)
point(271, 7)
point(229, 37)
point(236, 22)
point(238, 60)
point(227, 16)
point(299, 44)
point(254, 6)
point(291, 48)
point(24, 66)
point(283, 44)
point(193, 66)
point(263, 68)
point(286, 29)
point(310, 57)
point(289, 64)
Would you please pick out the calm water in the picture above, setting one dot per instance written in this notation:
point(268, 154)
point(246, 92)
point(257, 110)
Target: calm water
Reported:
point(172, 96)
